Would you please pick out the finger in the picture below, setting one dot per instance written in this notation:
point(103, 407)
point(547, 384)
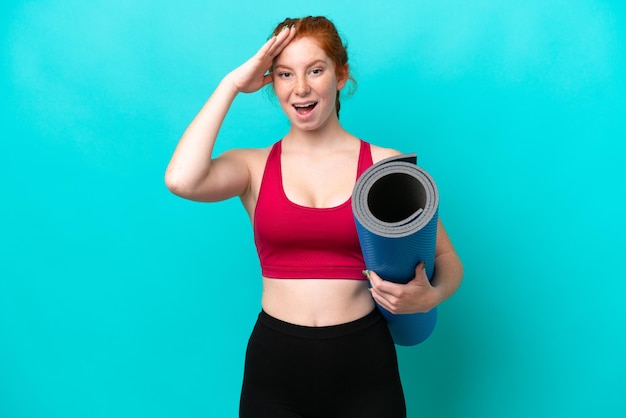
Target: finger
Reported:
point(389, 289)
point(382, 286)
point(371, 276)
point(284, 37)
point(377, 282)
point(386, 301)
point(267, 46)
point(420, 273)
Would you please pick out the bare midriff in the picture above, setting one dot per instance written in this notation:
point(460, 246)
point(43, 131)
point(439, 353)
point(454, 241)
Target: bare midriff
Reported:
point(316, 302)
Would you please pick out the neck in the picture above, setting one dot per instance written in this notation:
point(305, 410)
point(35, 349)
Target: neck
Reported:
point(327, 136)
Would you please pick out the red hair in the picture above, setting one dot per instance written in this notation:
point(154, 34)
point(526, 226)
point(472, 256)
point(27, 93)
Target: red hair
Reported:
point(325, 33)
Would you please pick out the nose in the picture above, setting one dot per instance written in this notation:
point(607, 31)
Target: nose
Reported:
point(302, 86)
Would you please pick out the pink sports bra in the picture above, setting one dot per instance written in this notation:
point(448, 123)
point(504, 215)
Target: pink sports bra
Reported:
point(300, 242)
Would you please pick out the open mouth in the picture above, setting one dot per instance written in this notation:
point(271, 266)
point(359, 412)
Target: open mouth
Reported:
point(305, 108)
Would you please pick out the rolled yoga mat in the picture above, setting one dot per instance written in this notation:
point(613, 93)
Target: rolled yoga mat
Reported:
point(395, 205)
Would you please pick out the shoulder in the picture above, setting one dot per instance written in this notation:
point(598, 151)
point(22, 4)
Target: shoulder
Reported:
point(380, 153)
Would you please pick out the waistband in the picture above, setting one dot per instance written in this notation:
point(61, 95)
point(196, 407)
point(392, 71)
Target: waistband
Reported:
point(323, 332)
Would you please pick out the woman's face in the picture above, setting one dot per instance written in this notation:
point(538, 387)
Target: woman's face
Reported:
point(306, 84)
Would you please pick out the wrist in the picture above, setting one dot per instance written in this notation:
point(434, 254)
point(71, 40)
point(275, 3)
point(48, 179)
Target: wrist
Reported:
point(230, 85)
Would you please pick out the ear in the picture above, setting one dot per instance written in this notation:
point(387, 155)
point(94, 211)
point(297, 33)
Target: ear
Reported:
point(342, 76)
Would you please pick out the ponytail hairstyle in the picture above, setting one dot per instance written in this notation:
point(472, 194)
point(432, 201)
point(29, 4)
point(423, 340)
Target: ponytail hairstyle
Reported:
point(325, 33)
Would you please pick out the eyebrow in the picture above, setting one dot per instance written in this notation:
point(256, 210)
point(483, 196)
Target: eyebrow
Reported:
point(311, 64)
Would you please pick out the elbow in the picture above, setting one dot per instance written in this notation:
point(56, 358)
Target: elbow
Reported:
point(460, 273)
point(183, 187)
point(459, 265)
point(175, 184)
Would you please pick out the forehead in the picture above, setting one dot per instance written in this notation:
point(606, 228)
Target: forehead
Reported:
point(301, 51)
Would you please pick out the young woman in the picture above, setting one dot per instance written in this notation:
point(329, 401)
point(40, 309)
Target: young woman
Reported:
point(319, 347)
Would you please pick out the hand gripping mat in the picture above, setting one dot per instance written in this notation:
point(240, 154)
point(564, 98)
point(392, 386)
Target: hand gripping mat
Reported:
point(395, 205)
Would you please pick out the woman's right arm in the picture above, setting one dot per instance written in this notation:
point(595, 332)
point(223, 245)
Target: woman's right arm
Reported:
point(192, 172)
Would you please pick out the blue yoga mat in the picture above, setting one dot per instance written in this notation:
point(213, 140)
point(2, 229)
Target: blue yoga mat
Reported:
point(395, 205)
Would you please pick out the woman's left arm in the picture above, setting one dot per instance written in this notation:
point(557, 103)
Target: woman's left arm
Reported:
point(420, 295)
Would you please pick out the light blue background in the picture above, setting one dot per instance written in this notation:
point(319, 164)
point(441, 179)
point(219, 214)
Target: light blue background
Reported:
point(118, 299)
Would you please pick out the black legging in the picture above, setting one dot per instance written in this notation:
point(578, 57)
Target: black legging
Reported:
point(342, 371)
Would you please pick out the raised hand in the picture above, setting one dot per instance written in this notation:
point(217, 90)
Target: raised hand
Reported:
point(253, 74)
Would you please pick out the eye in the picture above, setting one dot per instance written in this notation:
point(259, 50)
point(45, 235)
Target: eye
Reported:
point(317, 71)
point(284, 74)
